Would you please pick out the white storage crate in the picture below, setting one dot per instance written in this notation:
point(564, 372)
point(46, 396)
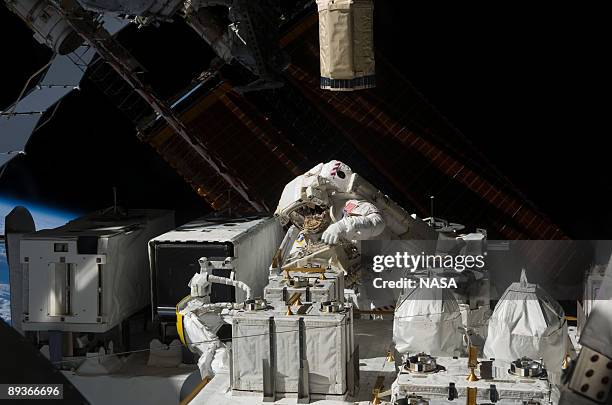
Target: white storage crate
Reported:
point(331, 288)
point(315, 349)
point(503, 389)
point(90, 274)
point(173, 256)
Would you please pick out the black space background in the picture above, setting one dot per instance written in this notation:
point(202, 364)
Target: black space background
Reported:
point(524, 83)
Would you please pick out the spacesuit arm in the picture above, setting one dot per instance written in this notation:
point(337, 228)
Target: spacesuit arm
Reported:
point(358, 227)
point(366, 227)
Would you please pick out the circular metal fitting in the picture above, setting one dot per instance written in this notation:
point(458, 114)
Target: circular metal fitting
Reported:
point(331, 307)
point(256, 304)
point(298, 282)
point(526, 367)
point(421, 363)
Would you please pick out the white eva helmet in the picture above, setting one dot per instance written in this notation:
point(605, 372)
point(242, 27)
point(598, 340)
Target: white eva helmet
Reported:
point(314, 190)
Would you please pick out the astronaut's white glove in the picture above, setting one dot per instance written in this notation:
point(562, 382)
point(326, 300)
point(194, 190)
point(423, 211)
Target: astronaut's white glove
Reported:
point(333, 232)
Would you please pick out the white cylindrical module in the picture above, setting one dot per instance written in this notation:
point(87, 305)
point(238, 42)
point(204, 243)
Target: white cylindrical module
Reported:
point(346, 44)
point(50, 28)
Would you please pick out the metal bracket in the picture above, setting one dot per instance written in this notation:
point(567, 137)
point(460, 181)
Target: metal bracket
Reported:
point(269, 366)
point(493, 394)
point(452, 392)
point(303, 396)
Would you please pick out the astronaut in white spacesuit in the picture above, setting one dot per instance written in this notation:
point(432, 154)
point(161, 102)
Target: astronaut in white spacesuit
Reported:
point(330, 206)
point(323, 209)
point(333, 203)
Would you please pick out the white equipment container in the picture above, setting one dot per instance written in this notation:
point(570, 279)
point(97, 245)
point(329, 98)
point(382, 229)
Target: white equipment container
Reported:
point(251, 242)
point(528, 322)
point(310, 286)
point(303, 355)
point(346, 44)
point(449, 385)
point(90, 274)
point(428, 320)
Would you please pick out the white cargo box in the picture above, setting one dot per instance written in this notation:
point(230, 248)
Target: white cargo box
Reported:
point(90, 274)
point(250, 241)
point(504, 388)
point(331, 288)
point(346, 44)
point(312, 352)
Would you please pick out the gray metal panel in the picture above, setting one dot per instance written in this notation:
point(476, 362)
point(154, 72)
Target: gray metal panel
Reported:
point(114, 24)
point(135, 7)
point(15, 132)
point(41, 99)
point(64, 70)
point(64, 75)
